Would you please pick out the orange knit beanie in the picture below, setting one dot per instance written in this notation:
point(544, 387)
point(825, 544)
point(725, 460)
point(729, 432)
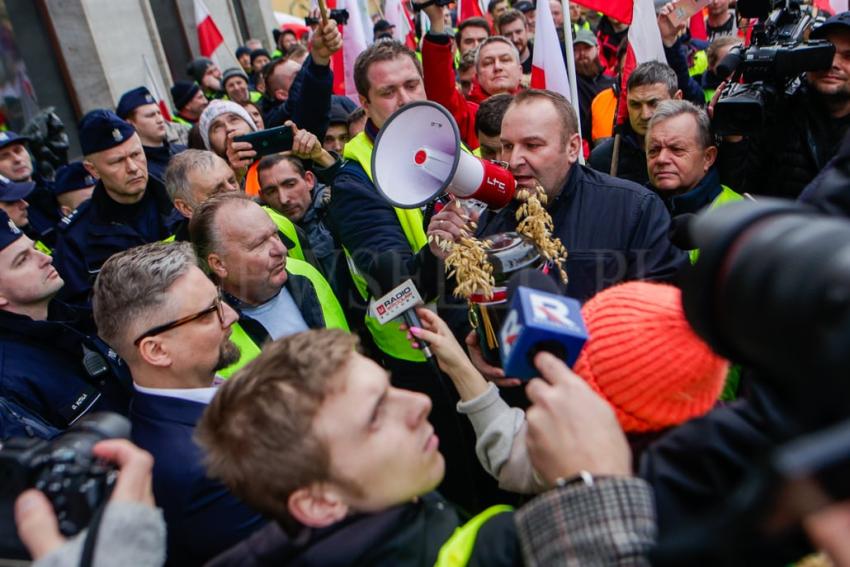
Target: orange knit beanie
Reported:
point(644, 358)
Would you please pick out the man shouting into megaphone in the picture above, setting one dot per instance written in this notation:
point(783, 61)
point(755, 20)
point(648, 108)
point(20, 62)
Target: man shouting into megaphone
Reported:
point(613, 229)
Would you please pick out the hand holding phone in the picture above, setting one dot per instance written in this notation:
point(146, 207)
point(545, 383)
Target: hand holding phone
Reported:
point(267, 142)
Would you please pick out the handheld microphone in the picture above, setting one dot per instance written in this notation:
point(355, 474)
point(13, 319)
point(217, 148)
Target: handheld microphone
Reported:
point(540, 319)
point(392, 300)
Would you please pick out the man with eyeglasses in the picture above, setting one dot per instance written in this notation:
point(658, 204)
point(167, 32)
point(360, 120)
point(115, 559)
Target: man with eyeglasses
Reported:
point(51, 372)
point(165, 318)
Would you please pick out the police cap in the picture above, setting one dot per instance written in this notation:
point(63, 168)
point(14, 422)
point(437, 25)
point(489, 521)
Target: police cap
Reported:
point(133, 99)
point(101, 129)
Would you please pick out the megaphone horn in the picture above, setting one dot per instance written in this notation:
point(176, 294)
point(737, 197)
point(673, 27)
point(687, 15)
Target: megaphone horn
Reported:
point(418, 155)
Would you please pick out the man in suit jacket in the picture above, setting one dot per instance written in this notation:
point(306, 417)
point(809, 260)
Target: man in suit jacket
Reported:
point(166, 319)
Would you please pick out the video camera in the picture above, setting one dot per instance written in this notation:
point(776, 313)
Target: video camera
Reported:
point(771, 290)
point(64, 468)
point(770, 66)
point(340, 16)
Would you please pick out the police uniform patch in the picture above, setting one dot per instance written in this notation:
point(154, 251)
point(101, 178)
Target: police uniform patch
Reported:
point(149, 99)
point(116, 135)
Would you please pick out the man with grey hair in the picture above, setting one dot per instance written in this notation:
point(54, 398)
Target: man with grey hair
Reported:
point(680, 156)
point(194, 176)
point(648, 85)
point(165, 318)
point(497, 66)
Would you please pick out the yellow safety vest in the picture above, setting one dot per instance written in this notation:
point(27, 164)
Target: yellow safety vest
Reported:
point(459, 547)
point(42, 247)
point(389, 338)
point(287, 227)
point(700, 64)
point(726, 196)
point(331, 312)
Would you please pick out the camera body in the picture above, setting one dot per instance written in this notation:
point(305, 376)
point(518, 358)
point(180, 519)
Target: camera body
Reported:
point(768, 68)
point(64, 468)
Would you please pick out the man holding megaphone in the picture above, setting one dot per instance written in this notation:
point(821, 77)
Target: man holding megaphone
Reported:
point(614, 230)
point(388, 77)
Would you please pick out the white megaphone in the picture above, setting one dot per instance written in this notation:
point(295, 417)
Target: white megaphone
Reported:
point(418, 155)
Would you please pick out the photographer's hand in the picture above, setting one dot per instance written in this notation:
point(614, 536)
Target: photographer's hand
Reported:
point(326, 41)
point(435, 15)
point(36, 521)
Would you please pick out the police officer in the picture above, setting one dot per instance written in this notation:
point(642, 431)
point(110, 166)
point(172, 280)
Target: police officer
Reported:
point(140, 108)
point(73, 185)
point(16, 164)
point(127, 208)
point(13, 201)
point(51, 369)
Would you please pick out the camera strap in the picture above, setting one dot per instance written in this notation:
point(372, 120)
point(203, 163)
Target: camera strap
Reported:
point(87, 555)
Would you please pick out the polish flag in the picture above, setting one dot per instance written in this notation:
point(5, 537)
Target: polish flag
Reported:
point(153, 85)
point(396, 14)
point(209, 37)
point(547, 65)
point(353, 44)
point(469, 9)
point(644, 37)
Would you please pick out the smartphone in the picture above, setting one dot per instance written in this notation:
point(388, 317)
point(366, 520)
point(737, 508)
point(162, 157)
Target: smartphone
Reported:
point(684, 9)
point(267, 142)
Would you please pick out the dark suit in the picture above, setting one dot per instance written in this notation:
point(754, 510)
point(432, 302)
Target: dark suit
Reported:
point(203, 517)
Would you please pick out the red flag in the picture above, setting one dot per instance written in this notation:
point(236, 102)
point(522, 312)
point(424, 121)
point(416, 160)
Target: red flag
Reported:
point(209, 37)
point(697, 26)
point(547, 65)
point(396, 14)
point(468, 9)
point(620, 10)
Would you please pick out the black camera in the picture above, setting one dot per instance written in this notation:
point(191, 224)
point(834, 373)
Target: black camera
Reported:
point(340, 16)
point(770, 67)
point(64, 468)
point(417, 6)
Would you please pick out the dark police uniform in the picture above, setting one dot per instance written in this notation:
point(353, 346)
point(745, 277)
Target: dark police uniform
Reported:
point(51, 372)
point(100, 227)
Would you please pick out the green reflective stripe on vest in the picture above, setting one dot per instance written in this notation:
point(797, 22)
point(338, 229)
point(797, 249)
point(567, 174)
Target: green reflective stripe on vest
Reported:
point(255, 97)
point(700, 64)
point(331, 312)
point(248, 350)
point(42, 247)
point(331, 309)
point(288, 228)
point(389, 338)
point(179, 120)
point(171, 238)
point(726, 196)
point(709, 94)
point(458, 548)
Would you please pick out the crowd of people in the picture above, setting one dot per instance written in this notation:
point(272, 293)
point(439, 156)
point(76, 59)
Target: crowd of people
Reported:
point(222, 300)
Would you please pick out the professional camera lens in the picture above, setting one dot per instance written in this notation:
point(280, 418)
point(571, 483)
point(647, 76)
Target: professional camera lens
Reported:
point(772, 288)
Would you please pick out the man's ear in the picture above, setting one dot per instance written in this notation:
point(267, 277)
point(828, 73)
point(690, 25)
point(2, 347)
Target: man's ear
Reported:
point(217, 266)
point(573, 148)
point(317, 506)
point(65, 210)
point(4, 301)
point(710, 156)
point(183, 207)
point(90, 167)
point(679, 95)
point(153, 352)
point(310, 178)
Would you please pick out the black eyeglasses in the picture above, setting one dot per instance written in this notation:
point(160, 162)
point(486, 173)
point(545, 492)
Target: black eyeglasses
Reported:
point(216, 307)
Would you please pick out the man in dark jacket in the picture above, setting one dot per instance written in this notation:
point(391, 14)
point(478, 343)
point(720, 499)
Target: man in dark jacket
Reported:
point(52, 373)
point(127, 207)
point(166, 319)
point(139, 108)
point(307, 101)
point(613, 230)
point(806, 129)
point(649, 84)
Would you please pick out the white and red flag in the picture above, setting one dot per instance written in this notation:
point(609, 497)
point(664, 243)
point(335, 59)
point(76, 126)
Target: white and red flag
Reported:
point(547, 64)
point(644, 36)
point(153, 85)
point(396, 14)
point(209, 36)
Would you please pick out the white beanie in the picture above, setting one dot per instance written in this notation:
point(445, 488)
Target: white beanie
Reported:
point(215, 109)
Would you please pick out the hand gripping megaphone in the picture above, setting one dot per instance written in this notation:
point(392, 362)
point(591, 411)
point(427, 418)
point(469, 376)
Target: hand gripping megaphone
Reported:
point(418, 155)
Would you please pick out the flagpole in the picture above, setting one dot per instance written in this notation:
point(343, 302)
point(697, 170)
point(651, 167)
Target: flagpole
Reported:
point(571, 66)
